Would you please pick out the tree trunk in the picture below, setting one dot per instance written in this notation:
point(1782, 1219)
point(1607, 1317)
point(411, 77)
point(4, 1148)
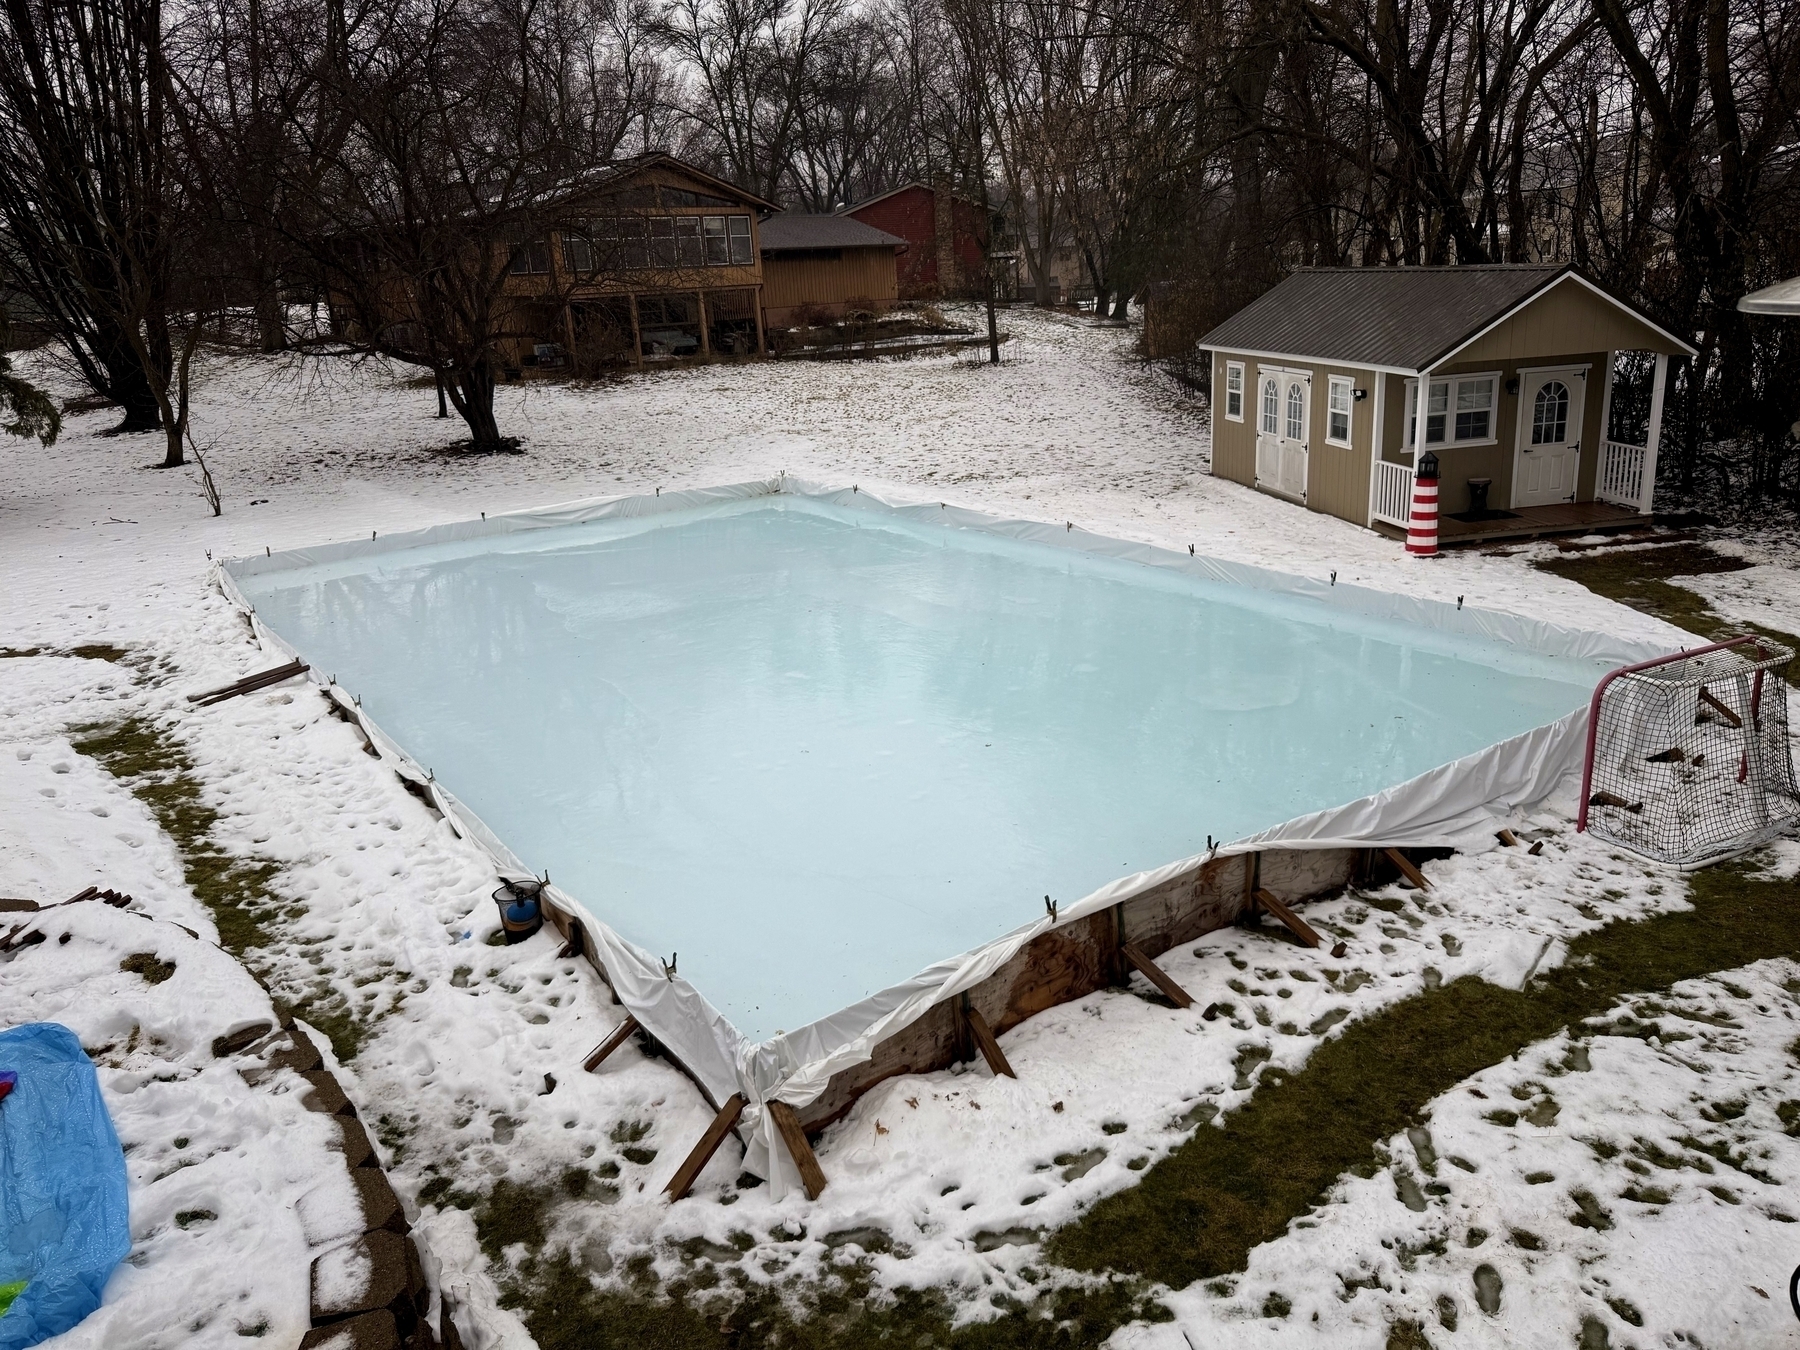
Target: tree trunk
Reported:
point(172, 456)
point(1120, 303)
point(271, 321)
point(1102, 301)
point(473, 394)
point(993, 324)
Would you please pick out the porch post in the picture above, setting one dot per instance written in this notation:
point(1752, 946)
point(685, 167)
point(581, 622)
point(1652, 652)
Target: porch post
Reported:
point(1419, 417)
point(1653, 442)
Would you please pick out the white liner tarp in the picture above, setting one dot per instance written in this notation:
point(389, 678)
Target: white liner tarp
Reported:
point(1455, 805)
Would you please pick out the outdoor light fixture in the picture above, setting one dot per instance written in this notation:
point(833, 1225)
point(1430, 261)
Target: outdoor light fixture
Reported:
point(1512, 385)
point(1361, 394)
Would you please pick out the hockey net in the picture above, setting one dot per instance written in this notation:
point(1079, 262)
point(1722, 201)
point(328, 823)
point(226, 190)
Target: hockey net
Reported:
point(1687, 756)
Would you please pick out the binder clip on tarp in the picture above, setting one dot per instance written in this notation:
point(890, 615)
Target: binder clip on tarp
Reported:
point(64, 1221)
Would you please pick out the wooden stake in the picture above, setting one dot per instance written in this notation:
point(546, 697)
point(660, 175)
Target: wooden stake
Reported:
point(621, 1034)
point(812, 1176)
point(1295, 924)
point(990, 1048)
point(1154, 973)
point(1508, 838)
point(249, 684)
point(683, 1180)
point(1407, 870)
point(1721, 709)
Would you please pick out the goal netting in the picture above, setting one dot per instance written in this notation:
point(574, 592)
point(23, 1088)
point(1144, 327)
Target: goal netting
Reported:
point(1687, 758)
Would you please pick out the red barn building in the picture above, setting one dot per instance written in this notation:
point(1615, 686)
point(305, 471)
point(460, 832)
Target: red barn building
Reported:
point(943, 232)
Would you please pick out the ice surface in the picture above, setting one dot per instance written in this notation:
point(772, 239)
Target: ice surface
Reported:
point(813, 750)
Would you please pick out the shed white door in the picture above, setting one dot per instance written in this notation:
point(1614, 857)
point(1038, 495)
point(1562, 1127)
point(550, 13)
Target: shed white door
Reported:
point(1549, 449)
point(1284, 419)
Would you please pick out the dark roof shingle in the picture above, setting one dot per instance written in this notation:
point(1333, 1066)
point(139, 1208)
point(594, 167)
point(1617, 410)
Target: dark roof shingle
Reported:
point(1405, 317)
point(792, 230)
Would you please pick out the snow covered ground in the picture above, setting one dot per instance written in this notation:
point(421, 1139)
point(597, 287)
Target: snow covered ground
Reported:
point(391, 912)
point(220, 1171)
point(1763, 593)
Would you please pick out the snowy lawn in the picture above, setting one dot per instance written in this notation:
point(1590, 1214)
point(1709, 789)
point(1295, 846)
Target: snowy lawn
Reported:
point(381, 917)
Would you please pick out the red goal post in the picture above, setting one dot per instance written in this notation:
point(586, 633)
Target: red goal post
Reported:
point(1688, 760)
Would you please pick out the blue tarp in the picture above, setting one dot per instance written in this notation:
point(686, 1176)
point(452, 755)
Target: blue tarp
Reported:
point(64, 1221)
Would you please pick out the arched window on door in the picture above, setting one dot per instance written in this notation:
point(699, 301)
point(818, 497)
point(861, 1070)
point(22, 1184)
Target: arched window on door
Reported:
point(1271, 407)
point(1296, 412)
point(1550, 414)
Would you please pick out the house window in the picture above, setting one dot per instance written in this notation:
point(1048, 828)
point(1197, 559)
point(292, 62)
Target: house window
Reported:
point(1550, 414)
point(1474, 409)
point(531, 257)
point(1234, 390)
point(1337, 411)
point(727, 241)
point(1271, 407)
point(1458, 411)
point(578, 253)
point(1296, 412)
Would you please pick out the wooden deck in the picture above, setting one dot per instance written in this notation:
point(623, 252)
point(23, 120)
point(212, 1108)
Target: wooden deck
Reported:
point(1531, 522)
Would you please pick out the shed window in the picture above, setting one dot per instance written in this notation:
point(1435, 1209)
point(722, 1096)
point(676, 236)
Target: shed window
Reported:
point(1271, 407)
point(1296, 412)
point(1550, 414)
point(1337, 411)
point(1234, 390)
point(1474, 409)
point(1458, 411)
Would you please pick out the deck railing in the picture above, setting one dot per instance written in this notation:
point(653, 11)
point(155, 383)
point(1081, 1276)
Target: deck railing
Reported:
point(1621, 477)
point(1391, 492)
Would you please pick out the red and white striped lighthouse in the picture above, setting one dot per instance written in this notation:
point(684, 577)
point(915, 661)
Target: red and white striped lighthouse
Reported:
point(1422, 525)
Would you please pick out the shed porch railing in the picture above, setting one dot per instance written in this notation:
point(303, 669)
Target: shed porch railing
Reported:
point(1621, 477)
point(1391, 493)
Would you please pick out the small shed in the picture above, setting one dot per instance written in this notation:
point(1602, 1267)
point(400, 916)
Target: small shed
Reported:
point(1321, 387)
point(825, 265)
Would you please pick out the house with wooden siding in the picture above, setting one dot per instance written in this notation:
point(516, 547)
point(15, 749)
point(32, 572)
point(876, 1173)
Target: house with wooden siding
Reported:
point(943, 231)
point(648, 258)
point(824, 266)
point(1325, 387)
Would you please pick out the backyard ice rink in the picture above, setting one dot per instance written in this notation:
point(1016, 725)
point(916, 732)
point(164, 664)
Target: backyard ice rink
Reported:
point(95, 549)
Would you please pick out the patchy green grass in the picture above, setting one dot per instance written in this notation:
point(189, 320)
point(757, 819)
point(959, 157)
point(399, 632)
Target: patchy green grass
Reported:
point(92, 651)
point(1197, 1214)
point(1640, 578)
point(236, 890)
point(563, 1311)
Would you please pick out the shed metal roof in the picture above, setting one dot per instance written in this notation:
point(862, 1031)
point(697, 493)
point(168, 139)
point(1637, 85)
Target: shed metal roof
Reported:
point(1404, 318)
point(792, 230)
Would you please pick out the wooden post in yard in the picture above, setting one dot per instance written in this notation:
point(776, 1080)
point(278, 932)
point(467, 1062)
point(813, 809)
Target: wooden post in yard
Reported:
point(683, 1180)
point(793, 1134)
point(620, 1035)
point(1407, 870)
point(990, 1047)
point(1156, 975)
point(705, 337)
point(637, 333)
point(1293, 922)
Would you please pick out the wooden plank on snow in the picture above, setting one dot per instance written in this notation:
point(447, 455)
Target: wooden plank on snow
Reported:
point(1294, 923)
point(620, 1035)
point(990, 1047)
point(1407, 870)
point(683, 1180)
point(1156, 975)
point(793, 1134)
